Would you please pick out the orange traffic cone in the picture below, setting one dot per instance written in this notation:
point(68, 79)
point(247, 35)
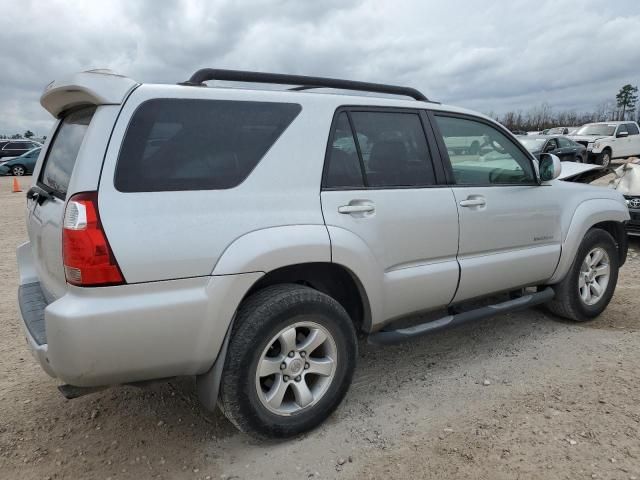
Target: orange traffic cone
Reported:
point(16, 185)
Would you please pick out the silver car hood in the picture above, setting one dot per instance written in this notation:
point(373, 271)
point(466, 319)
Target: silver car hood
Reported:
point(572, 169)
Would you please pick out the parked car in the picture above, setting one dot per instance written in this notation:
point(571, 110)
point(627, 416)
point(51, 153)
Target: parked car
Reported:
point(253, 243)
point(22, 165)
point(15, 148)
point(561, 130)
point(564, 148)
point(609, 140)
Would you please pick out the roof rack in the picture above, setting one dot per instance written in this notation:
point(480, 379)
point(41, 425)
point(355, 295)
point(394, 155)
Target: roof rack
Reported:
point(304, 82)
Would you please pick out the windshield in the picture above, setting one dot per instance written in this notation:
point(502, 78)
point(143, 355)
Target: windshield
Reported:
point(532, 144)
point(597, 129)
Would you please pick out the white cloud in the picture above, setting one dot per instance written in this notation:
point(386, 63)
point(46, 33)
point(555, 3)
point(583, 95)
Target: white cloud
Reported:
point(490, 56)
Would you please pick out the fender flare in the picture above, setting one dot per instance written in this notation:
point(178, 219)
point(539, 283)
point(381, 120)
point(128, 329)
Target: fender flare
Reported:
point(270, 248)
point(586, 215)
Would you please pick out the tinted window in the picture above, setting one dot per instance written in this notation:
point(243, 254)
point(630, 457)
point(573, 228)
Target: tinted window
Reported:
point(632, 128)
point(565, 143)
point(480, 154)
point(61, 158)
point(14, 146)
point(394, 149)
point(621, 129)
point(176, 144)
point(343, 165)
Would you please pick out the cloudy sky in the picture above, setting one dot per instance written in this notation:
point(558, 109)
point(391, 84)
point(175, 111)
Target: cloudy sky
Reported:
point(493, 56)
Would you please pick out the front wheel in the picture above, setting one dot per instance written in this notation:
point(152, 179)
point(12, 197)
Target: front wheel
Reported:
point(18, 171)
point(589, 285)
point(604, 159)
point(289, 363)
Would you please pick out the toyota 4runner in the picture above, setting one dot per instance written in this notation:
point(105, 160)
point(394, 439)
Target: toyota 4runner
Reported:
point(247, 236)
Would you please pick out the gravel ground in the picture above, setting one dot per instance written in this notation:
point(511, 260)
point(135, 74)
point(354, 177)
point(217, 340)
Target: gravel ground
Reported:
point(518, 396)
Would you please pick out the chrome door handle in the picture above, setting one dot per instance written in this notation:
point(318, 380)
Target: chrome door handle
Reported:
point(473, 202)
point(356, 208)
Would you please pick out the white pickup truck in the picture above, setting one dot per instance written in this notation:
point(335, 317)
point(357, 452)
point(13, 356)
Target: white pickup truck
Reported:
point(608, 140)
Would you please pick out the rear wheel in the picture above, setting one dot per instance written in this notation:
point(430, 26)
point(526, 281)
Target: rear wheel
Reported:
point(18, 170)
point(588, 287)
point(579, 159)
point(289, 363)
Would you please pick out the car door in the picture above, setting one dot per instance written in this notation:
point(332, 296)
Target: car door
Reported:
point(622, 147)
point(509, 224)
point(634, 139)
point(567, 150)
point(553, 147)
point(383, 193)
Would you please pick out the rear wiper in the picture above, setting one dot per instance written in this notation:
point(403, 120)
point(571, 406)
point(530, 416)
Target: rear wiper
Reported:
point(38, 194)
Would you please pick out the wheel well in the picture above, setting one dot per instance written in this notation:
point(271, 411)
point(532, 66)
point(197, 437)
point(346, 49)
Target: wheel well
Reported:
point(329, 278)
point(617, 231)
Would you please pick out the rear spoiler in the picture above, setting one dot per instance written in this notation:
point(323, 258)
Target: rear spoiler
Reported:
point(93, 87)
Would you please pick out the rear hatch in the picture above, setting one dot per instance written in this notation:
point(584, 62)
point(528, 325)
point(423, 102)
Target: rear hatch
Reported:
point(86, 106)
point(47, 208)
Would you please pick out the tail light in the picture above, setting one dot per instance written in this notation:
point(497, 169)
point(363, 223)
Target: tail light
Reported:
point(88, 259)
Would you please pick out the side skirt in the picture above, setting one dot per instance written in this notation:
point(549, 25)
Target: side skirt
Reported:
point(389, 337)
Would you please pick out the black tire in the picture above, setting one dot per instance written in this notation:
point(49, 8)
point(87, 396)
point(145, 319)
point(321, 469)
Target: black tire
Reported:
point(18, 171)
point(604, 159)
point(258, 319)
point(567, 302)
point(579, 159)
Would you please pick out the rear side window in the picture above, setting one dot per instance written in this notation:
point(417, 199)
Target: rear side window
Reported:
point(186, 144)
point(61, 158)
point(391, 149)
point(632, 128)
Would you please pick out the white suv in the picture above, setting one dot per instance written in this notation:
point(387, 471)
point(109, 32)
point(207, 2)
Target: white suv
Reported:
point(248, 236)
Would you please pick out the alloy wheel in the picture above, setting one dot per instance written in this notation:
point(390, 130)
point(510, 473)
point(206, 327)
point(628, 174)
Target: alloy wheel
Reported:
point(594, 276)
point(296, 368)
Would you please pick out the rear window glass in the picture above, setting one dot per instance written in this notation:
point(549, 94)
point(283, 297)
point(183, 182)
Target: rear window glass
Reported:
point(185, 144)
point(61, 158)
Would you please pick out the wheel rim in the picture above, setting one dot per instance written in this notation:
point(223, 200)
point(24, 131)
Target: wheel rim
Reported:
point(18, 171)
point(594, 276)
point(605, 160)
point(296, 368)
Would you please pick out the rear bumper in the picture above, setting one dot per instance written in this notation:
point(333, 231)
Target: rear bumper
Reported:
point(129, 333)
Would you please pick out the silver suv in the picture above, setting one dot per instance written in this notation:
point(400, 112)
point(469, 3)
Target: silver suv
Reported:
point(248, 236)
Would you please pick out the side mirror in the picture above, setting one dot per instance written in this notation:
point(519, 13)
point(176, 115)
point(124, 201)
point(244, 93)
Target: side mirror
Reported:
point(550, 167)
point(622, 134)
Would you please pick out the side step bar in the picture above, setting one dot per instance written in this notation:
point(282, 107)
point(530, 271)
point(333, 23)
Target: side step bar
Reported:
point(389, 337)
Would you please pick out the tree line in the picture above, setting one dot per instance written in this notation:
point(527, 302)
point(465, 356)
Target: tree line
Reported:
point(544, 116)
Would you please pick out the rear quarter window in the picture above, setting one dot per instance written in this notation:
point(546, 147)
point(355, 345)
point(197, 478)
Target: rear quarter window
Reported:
point(187, 144)
point(63, 152)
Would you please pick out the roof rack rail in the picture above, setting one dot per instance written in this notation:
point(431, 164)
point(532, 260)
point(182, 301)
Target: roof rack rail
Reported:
point(304, 82)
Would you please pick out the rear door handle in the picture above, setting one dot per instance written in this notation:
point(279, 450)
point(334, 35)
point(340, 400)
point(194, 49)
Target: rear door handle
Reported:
point(356, 208)
point(473, 202)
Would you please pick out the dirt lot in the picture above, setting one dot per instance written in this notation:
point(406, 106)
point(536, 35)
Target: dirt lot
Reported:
point(519, 396)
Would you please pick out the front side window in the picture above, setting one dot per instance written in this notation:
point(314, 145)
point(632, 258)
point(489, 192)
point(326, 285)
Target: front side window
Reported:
point(187, 144)
point(61, 158)
point(480, 154)
point(552, 145)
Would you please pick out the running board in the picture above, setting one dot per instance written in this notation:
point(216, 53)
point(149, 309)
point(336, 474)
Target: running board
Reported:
point(389, 337)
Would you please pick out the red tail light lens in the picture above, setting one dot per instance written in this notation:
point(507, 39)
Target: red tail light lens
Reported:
point(88, 259)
